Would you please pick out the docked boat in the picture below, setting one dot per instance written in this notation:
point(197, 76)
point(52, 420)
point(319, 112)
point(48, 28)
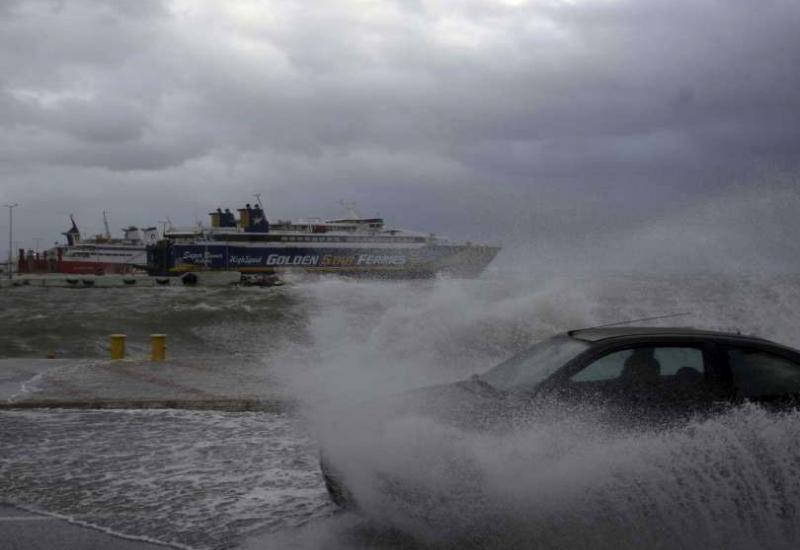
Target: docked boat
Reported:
point(99, 255)
point(251, 245)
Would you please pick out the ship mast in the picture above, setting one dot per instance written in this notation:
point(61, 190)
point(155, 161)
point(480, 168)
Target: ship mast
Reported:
point(105, 224)
point(352, 209)
point(258, 198)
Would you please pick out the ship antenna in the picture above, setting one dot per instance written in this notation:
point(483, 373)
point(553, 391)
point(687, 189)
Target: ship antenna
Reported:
point(105, 224)
point(164, 225)
point(640, 320)
point(352, 209)
point(258, 198)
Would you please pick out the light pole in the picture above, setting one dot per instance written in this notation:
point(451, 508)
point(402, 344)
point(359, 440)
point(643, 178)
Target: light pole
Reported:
point(10, 235)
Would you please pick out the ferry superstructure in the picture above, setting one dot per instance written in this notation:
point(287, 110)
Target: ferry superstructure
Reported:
point(99, 255)
point(351, 246)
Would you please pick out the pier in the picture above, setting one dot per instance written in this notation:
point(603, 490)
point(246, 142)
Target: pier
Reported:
point(132, 384)
point(61, 280)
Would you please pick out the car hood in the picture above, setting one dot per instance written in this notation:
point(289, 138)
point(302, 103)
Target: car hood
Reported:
point(468, 404)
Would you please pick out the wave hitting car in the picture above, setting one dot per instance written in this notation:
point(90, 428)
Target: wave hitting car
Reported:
point(634, 375)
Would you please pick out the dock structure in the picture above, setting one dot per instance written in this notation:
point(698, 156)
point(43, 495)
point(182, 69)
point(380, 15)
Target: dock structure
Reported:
point(133, 383)
point(61, 280)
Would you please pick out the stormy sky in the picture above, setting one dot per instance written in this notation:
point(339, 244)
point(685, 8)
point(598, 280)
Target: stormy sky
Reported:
point(606, 128)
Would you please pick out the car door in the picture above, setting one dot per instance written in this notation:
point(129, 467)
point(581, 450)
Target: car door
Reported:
point(769, 376)
point(646, 382)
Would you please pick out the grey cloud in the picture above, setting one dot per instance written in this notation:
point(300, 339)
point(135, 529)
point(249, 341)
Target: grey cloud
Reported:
point(101, 120)
point(474, 110)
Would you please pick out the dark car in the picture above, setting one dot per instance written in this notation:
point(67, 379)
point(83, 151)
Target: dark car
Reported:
point(634, 375)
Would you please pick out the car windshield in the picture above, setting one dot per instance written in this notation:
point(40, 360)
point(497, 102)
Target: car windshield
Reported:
point(526, 370)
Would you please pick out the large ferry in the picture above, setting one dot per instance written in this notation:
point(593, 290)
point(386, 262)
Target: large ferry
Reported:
point(99, 255)
point(250, 244)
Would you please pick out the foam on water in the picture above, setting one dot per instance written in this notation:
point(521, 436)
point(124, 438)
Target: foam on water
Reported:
point(728, 482)
point(207, 479)
point(200, 321)
point(198, 479)
point(367, 339)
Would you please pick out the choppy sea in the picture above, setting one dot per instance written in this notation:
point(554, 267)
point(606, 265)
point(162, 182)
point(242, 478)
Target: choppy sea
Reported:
point(221, 480)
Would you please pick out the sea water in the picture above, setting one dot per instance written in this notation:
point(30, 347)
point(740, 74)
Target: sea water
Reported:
point(216, 480)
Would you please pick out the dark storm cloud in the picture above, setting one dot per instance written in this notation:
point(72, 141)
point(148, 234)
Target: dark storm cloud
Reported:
point(477, 117)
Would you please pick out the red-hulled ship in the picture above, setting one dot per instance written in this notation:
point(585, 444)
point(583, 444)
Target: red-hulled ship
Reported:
point(96, 256)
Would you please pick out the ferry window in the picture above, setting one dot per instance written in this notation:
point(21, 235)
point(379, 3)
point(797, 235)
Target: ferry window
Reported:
point(761, 374)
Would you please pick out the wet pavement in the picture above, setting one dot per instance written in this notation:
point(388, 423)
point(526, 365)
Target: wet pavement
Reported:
point(22, 530)
point(132, 383)
point(119, 447)
point(196, 479)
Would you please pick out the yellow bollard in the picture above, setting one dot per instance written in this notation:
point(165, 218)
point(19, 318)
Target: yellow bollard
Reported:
point(159, 347)
point(118, 346)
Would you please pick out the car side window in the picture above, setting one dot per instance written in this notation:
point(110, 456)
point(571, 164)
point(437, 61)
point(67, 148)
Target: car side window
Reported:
point(759, 373)
point(646, 364)
point(608, 367)
point(673, 360)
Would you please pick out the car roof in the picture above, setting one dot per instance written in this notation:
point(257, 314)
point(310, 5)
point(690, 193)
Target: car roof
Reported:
point(606, 333)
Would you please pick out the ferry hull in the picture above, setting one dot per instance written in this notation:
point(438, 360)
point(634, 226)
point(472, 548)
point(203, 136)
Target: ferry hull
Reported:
point(94, 268)
point(420, 262)
point(73, 267)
